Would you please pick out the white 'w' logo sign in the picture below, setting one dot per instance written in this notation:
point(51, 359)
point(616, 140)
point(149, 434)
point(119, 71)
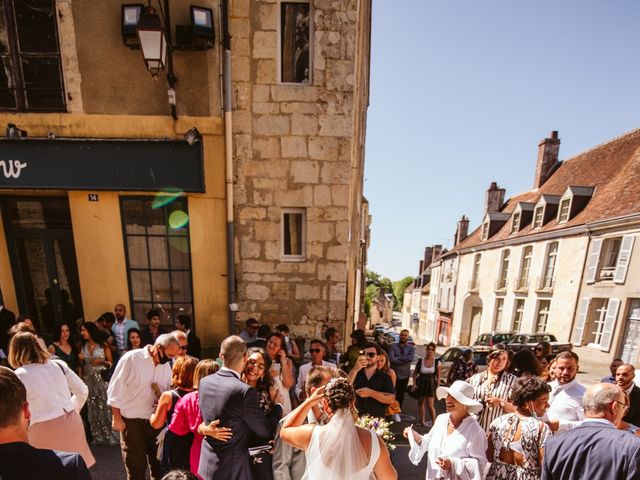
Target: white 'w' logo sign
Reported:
point(12, 168)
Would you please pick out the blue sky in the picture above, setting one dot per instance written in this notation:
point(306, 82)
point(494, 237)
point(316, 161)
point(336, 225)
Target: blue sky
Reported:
point(461, 94)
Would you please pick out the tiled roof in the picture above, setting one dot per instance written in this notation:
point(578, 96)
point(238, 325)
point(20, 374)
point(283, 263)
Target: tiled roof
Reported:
point(613, 168)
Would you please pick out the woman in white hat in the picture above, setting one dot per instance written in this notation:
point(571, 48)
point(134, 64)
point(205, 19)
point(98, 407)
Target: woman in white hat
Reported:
point(456, 444)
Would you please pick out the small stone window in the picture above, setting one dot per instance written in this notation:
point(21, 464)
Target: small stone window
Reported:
point(296, 40)
point(294, 234)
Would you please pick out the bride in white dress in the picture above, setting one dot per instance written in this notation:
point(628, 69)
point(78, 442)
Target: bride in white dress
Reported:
point(339, 449)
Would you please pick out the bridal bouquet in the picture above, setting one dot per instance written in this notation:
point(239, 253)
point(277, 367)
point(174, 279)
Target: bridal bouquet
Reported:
point(380, 426)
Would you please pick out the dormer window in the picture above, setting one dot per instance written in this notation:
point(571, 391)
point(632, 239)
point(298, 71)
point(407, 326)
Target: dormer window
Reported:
point(485, 231)
point(515, 222)
point(564, 210)
point(538, 216)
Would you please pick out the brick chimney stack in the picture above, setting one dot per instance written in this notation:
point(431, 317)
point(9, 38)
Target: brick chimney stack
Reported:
point(463, 230)
point(421, 268)
point(548, 150)
point(437, 250)
point(428, 253)
point(494, 198)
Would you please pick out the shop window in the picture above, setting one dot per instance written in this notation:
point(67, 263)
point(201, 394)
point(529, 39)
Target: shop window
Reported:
point(156, 235)
point(294, 234)
point(31, 73)
point(296, 34)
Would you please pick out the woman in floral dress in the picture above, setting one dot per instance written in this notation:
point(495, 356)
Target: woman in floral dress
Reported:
point(95, 357)
point(516, 440)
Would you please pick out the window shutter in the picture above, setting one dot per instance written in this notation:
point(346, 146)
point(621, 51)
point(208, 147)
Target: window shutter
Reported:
point(594, 258)
point(609, 323)
point(626, 246)
point(580, 321)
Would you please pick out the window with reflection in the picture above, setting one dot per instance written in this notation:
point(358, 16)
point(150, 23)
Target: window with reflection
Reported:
point(156, 234)
point(31, 73)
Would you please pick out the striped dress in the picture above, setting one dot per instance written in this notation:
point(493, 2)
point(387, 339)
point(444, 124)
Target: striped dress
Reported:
point(500, 387)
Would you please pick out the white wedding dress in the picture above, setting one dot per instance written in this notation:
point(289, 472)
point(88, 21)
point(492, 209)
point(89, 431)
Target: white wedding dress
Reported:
point(335, 451)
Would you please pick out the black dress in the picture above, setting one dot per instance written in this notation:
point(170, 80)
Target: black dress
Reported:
point(176, 448)
point(426, 384)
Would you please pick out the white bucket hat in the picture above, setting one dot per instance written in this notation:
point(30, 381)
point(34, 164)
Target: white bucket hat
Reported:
point(462, 392)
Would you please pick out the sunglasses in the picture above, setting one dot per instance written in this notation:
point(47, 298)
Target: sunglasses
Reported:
point(184, 347)
point(368, 354)
point(538, 349)
point(315, 350)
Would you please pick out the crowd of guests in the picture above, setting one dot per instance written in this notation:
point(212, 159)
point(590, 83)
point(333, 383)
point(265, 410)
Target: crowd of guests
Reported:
point(260, 411)
point(523, 418)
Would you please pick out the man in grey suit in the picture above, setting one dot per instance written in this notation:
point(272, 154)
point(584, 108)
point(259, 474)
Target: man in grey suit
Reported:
point(289, 462)
point(226, 397)
point(595, 449)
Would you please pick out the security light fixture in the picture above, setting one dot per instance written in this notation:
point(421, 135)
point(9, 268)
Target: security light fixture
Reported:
point(202, 23)
point(192, 136)
point(131, 13)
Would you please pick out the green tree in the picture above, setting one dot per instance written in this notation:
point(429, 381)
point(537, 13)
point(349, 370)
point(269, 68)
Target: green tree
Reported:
point(398, 291)
point(369, 294)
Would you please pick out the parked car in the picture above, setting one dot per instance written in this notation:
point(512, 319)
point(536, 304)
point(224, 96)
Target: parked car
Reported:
point(378, 330)
point(486, 341)
point(451, 354)
point(390, 337)
point(530, 340)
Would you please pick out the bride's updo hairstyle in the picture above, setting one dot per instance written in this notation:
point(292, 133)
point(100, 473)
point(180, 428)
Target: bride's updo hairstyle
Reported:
point(339, 394)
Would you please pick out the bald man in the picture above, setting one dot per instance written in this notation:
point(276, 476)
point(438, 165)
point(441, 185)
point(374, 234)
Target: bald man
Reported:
point(586, 451)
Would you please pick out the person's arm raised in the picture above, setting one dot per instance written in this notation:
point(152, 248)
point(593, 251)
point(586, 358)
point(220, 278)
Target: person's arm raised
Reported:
point(293, 431)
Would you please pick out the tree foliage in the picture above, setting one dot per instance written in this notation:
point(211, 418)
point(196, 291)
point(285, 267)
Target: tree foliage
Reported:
point(398, 290)
point(376, 282)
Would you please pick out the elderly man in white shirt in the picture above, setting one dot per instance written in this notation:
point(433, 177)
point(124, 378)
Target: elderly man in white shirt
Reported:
point(316, 351)
point(131, 396)
point(565, 401)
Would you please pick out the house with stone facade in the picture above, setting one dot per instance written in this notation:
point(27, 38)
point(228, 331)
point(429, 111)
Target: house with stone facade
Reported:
point(559, 258)
point(222, 180)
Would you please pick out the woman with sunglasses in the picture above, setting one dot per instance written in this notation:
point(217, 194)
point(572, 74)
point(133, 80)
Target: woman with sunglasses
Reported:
point(426, 378)
point(493, 387)
point(316, 353)
point(542, 350)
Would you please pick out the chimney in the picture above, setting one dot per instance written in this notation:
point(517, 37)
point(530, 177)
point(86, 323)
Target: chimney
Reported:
point(421, 268)
point(437, 250)
point(493, 199)
point(428, 254)
point(548, 150)
point(463, 229)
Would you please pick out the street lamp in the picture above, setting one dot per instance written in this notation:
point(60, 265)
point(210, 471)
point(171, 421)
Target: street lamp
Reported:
point(152, 39)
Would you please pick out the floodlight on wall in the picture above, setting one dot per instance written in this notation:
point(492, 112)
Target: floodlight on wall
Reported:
point(202, 23)
point(131, 13)
point(192, 136)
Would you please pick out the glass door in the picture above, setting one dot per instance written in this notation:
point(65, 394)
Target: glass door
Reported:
point(43, 261)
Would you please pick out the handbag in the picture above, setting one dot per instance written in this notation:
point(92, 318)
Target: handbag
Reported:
point(106, 374)
point(393, 408)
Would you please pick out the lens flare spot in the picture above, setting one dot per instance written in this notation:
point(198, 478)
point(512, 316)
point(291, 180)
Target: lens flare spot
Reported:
point(165, 197)
point(178, 219)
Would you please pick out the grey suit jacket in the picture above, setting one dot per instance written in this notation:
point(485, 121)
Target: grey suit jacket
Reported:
point(223, 396)
point(288, 462)
point(592, 451)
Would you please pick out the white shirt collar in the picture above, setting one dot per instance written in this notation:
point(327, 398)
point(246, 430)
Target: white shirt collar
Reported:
point(232, 371)
point(598, 420)
point(559, 386)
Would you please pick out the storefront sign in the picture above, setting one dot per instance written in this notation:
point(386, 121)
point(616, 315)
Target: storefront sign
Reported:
point(134, 165)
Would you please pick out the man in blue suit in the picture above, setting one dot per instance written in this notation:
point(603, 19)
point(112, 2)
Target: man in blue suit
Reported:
point(595, 449)
point(225, 397)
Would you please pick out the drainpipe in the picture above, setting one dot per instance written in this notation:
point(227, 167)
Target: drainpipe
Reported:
point(228, 153)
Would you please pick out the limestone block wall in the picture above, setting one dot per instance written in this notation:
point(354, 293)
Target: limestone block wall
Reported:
point(292, 147)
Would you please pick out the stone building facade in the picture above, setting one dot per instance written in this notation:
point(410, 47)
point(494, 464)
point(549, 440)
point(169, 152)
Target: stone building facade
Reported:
point(299, 148)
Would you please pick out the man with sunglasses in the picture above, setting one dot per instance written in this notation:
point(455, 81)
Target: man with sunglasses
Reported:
point(316, 352)
point(374, 388)
point(250, 332)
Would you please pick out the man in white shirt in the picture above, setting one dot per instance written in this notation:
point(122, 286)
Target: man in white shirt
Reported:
point(131, 397)
point(316, 351)
point(565, 400)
